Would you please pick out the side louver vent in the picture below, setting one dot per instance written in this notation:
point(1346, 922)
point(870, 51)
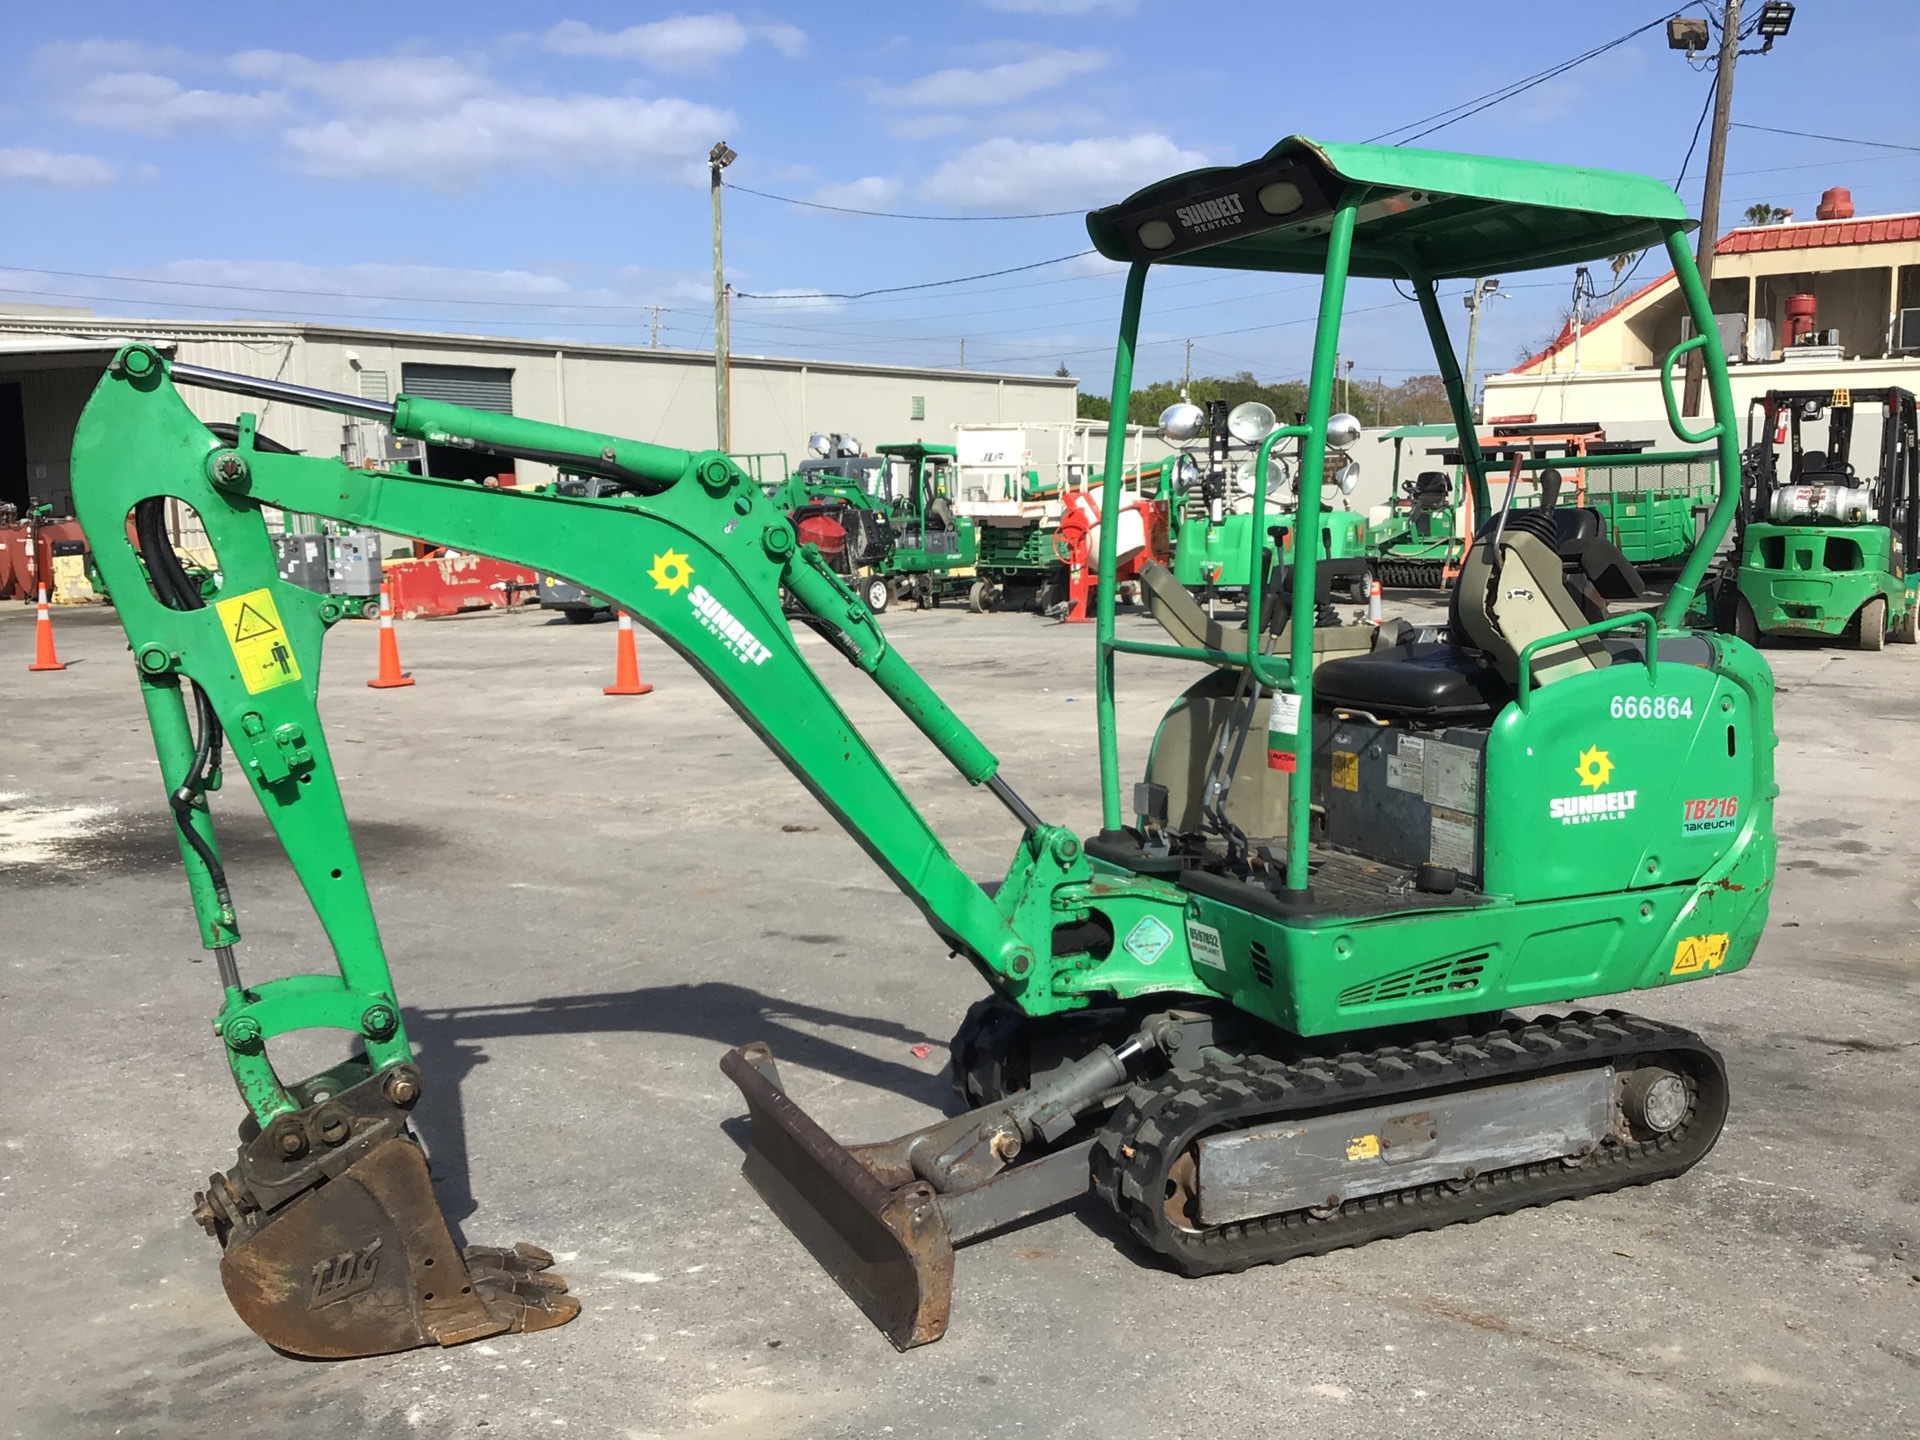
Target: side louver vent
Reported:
point(1262, 967)
point(1438, 977)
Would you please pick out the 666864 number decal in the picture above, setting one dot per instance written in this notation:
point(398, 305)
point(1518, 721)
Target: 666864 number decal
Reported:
point(1651, 707)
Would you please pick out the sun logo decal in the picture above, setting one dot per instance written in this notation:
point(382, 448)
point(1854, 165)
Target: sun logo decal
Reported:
point(1594, 769)
point(670, 572)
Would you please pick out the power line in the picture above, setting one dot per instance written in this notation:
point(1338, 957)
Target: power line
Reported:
point(1712, 86)
point(1837, 139)
point(923, 285)
point(896, 215)
point(1468, 108)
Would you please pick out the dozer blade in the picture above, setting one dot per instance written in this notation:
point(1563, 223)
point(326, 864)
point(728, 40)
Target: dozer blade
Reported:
point(888, 1247)
point(363, 1264)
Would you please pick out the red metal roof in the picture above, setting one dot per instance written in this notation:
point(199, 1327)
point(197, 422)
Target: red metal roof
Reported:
point(1565, 337)
point(1819, 234)
point(1753, 239)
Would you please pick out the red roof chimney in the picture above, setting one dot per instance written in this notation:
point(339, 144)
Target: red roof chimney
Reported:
point(1836, 204)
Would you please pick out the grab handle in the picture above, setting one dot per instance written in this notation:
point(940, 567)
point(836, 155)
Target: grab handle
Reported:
point(1673, 406)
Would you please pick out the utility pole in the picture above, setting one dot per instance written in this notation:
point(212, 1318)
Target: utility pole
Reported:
point(963, 353)
point(718, 159)
point(1186, 384)
point(1776, 17)
point(1583, 291)
point(1709, 234)
point(654, 342)
point(1483, 290)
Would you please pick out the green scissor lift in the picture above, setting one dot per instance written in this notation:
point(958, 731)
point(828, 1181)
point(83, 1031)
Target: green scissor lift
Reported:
point(1260, 1007)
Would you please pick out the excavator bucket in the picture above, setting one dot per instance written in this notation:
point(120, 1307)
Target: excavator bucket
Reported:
point(365, 1265)
point(335, 1247)
point(886, 1244)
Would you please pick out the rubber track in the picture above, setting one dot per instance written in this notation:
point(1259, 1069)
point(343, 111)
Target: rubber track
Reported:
point(1410, 574)
point(1154, 1124)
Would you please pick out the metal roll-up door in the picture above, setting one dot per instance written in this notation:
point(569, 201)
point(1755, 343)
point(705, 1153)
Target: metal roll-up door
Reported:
point(478, 387)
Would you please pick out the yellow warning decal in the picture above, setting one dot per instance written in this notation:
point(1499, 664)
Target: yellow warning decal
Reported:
point(258, 641)
point(1346, 770)
point(1697, 953)
point(1363, 1147)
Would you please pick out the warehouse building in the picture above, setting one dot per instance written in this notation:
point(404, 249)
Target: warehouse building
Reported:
point(50, 361)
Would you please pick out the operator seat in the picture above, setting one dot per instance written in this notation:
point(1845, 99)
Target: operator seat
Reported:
point(1513, 589)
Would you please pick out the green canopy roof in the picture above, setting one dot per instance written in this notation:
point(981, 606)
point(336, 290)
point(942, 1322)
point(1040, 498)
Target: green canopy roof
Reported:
point(1452, 216)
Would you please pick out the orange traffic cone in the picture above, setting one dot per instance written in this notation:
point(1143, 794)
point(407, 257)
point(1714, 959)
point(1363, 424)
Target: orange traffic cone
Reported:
point(1374, 615)
point(626, 664)
point(390, 676)
point(43, 658)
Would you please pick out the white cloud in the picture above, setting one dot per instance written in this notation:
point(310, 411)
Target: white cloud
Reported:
point(150, 104)
point(410, 82)
point(413, 283)
point(1063, 7)
point(44, 167)
point(870, 192)
point(601, 305)
point(680, 42)
point(789, 40)
point(924, 127)
point(1005, 174)
point(997, 84)
point(494, 132)
point(85, 56)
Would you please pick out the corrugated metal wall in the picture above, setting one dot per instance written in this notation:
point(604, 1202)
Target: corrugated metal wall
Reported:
point(477, 387)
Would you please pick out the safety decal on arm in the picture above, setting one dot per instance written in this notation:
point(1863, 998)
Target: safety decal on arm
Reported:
point(258, 641)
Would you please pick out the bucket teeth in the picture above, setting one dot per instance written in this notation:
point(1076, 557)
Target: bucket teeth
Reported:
point(517, 1285)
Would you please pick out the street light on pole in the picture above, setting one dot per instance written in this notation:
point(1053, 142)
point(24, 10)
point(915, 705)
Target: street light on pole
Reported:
point(718, 159)
point(1482, 291)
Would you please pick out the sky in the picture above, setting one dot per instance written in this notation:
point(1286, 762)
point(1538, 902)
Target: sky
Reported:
point(540, 170)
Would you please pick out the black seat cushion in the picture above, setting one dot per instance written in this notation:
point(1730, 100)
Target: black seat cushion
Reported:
point(1430, 681)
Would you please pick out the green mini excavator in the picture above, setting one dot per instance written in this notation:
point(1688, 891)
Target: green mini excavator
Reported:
point(1264, 1008)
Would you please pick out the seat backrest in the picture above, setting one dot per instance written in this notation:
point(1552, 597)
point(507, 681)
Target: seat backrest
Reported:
point(1530, 601)
point(1503, 603)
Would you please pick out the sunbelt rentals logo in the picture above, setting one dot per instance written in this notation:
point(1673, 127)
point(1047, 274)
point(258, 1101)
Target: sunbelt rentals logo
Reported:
point(1595, 802)
point(1204, 215)
point(672, 573)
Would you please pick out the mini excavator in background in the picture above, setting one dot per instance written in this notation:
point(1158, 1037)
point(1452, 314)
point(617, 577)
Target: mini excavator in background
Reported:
point(1262, 1011)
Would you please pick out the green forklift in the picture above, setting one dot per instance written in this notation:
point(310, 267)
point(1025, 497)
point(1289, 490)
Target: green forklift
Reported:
point(1308, 980)
point(1826, 551)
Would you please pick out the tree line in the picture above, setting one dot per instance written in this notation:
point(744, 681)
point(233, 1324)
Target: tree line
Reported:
point(1420, 400)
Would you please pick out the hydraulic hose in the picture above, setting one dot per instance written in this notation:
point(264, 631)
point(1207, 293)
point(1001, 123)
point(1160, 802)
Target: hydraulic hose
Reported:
point(176, 590)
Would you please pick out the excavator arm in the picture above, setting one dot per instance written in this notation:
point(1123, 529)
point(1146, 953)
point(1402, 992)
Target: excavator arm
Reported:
point(693, 551)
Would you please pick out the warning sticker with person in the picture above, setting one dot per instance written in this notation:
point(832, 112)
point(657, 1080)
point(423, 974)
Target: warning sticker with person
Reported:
point(258, 641)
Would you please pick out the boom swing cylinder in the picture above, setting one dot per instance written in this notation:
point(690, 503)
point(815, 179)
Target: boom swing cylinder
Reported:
point(1547, 803)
